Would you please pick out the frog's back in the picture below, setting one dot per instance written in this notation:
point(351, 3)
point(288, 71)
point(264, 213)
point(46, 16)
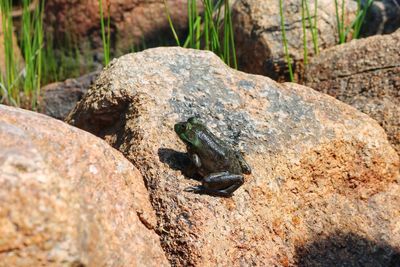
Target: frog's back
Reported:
point(215, 155)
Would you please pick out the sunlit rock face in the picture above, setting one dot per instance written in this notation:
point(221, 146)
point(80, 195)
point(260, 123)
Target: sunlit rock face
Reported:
point(324, 183)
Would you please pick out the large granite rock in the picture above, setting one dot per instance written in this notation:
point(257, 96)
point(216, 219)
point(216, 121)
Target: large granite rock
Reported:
point(324, 175)
point(364, 73)
point(131, 21)
point(69, 199)
point(258, 34)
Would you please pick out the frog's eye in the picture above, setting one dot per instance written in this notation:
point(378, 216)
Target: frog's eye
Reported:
point(194, 120)
point(180, 127)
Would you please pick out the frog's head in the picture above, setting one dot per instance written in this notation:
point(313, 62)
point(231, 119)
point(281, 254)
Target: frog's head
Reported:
point(187, 131)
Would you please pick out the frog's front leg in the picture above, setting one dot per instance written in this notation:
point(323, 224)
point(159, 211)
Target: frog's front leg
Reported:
point(196, 160)
point(219, 184)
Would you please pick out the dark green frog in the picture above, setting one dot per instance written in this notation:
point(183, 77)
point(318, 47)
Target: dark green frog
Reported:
point(221, 166)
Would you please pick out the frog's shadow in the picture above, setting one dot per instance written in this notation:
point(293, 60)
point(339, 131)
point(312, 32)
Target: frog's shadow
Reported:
point(178, 161)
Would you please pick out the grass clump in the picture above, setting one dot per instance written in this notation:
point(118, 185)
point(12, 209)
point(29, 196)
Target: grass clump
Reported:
point(32, 44)
point(20, 82)
point(22, 85)
point(361, 13)
point(354, 29)
point(309, 22)
point(212, 30)
point(8, 78)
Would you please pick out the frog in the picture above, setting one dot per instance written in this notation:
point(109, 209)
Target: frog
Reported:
point(221, 167)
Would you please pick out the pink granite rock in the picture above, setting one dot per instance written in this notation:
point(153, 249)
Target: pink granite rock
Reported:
point(68, 198)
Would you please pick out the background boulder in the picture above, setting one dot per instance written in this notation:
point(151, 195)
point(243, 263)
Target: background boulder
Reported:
point(383, 17)
point(258, 34)
point(132, 22)
point(364, 73)
point(59, 98)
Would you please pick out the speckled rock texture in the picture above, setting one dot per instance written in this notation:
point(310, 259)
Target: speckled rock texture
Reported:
point(324, 187)
point(131, 21)
point(59, 98)
point(258, 34)
point(364, 73)
point(69, 199)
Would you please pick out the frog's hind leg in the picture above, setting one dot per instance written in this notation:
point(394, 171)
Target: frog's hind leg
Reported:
point(219, 184)
point(243, 164)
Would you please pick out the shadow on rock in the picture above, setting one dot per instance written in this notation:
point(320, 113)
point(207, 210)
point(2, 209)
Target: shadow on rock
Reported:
point(347, 249)
point(178, 161)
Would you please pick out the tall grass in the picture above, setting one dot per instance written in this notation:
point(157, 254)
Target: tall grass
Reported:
point(361, 13)
point(212, 30)
point(171, 24)
point(340, 21)
point(9, 93)
point(23, 82)
point(304, 28)
point(32, 43)
point(355, 27)
point(66, 59)
point(50, 65)
point(105, 32)
point(310, 22)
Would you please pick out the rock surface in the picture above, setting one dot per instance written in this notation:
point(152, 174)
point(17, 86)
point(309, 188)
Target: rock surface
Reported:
point(383, 17)
point(364, 73)
point(324, 175)
point(258, 34)
point(59, 98)
point(69, 199)
point(132, 21)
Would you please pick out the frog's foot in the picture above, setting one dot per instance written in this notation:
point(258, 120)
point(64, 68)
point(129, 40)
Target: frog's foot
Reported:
point(218, 184)
point(194, 189)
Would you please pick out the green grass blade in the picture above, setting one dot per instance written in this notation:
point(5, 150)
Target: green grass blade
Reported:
point(103, 34)
point(362, 12)
point(339, 22)
point(198, 32)
point(226, 32)
point(190, 22)
point(12, 94)
point(207, 20)
point(108, 31)
point(315, 28)
point(171, 25)
point(204, 29)
point(303, 25)
point(343, 40)
point(285, 44)
point(232, 37)
point(312, 25)
point(196, 27)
